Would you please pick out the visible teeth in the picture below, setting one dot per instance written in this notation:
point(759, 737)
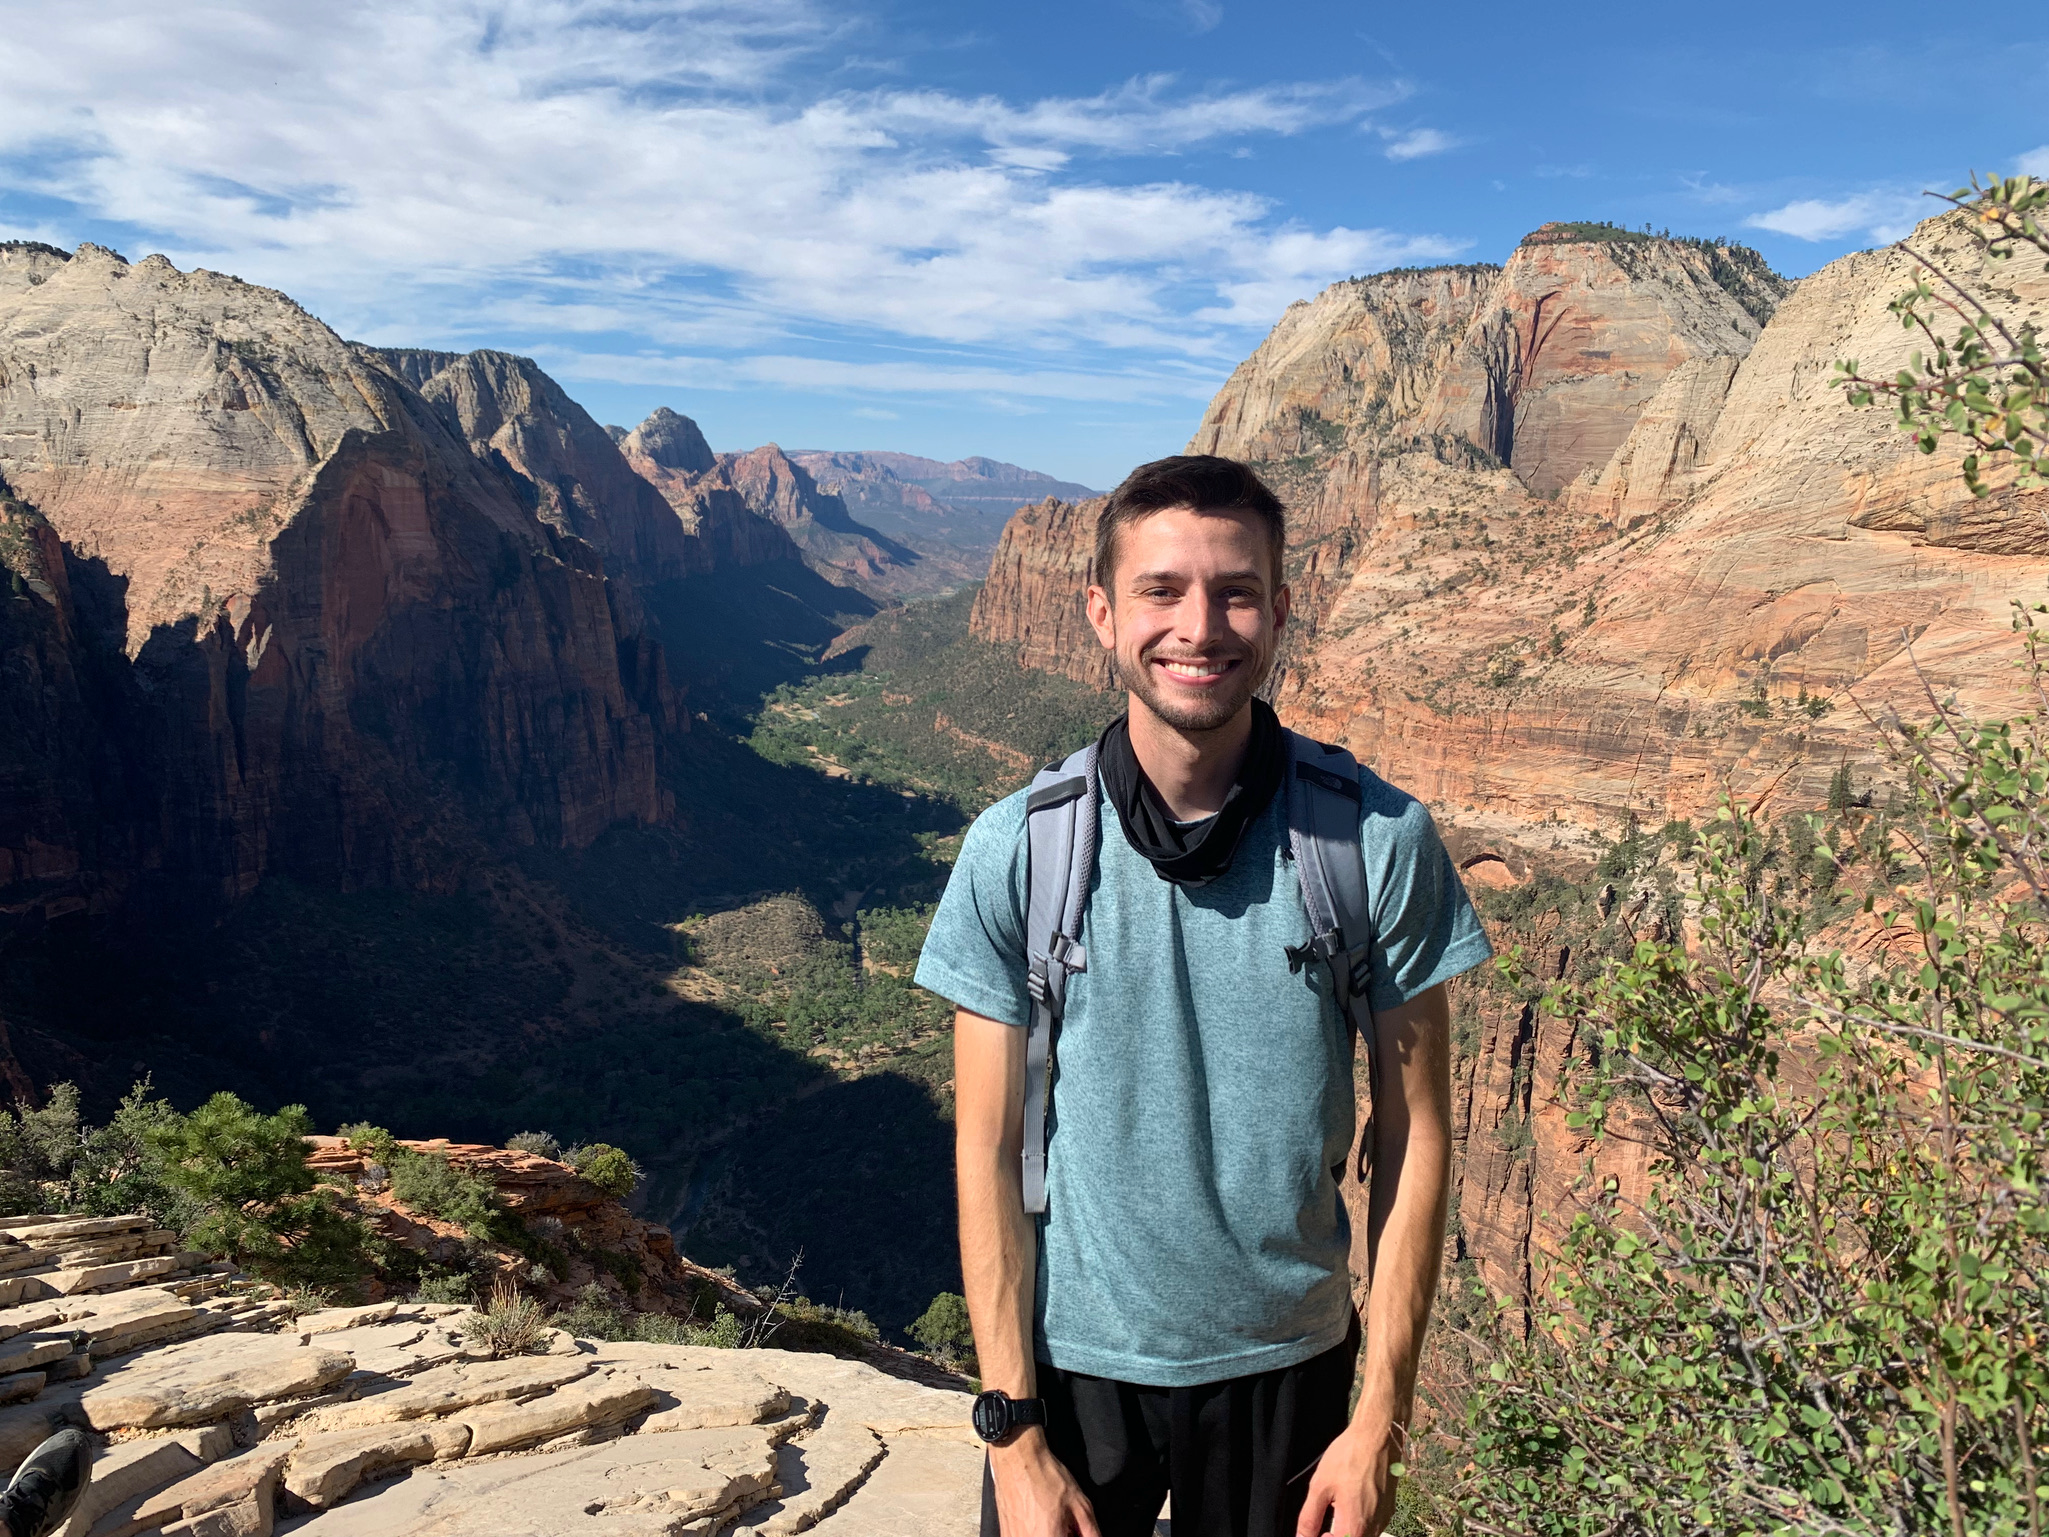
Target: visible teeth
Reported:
point(1195, 669)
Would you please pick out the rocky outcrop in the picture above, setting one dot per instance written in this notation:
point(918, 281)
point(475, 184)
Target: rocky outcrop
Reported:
point(1032, 600)
point(562, 464)
point(286, 621)
point(241, 1418)
point(597, 1240)
point(722, 531)
point(1577, 335)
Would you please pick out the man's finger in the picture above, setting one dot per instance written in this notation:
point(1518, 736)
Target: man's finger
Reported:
point(1314, 1508)
point(1085, 1518)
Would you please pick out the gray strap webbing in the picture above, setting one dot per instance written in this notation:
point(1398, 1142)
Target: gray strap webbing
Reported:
point(1323, 833)
point(1060, 823)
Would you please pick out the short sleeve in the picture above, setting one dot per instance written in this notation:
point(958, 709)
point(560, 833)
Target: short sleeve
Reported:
point(1425, 929)
point(974, 953)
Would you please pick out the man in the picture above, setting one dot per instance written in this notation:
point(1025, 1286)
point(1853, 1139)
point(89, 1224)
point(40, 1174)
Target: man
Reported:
point(1179, 1320)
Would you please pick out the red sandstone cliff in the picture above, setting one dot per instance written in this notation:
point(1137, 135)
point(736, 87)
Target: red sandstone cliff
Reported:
point(319, 635)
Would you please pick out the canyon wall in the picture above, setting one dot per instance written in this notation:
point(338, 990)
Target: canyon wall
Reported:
point(284, 605)
point(1730, 576)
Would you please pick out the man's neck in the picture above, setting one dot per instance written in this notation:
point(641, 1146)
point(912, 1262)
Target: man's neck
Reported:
point(1193, 771)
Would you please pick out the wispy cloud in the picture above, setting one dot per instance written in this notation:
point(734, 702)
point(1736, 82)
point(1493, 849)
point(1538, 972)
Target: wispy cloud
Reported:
point(1418, 142)
point(2034, 163)
point(1883, 216)
point(670, 171)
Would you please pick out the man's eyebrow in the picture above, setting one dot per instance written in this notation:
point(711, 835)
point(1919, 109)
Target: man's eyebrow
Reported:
point(1176, 576)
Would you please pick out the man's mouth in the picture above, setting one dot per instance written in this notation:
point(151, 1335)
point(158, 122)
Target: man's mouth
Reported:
point(1196, 672)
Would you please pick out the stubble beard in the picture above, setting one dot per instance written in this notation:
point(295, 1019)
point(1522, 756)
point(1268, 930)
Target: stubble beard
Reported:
point(1215, 709)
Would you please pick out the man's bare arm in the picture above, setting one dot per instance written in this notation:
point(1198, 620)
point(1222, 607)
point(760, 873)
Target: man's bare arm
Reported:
point(1405, 1249)
point(1035, 1495)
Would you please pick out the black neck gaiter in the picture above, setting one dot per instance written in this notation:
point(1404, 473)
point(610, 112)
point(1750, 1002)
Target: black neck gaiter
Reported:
point(1196, 853)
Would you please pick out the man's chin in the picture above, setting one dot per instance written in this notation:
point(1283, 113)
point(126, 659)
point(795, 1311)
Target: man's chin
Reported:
point(1193, 710)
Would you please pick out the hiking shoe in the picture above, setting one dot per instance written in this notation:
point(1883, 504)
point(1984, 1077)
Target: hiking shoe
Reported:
point(47, 1485)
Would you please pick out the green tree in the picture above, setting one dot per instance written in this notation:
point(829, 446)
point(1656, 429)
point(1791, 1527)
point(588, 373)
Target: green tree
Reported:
point(242, 1177)
point(609, 1168)
point(944, 1330)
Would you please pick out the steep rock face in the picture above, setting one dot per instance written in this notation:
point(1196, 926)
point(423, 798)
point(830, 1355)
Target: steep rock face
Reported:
point(1363, 355)
point(721, 532)
point(322, 637)
point(1032, 599)
point(834, 545)
point(671, 442)
point(560, 462)
point(1577, 335)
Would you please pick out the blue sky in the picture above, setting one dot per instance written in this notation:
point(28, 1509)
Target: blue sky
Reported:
point(1044, 233)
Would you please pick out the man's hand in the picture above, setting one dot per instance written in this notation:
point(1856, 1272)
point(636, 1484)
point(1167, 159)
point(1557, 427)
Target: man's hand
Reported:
point(1035, 1495)
point(1350, 1485)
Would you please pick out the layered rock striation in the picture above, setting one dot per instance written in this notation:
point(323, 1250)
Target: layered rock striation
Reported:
point(1691, 567)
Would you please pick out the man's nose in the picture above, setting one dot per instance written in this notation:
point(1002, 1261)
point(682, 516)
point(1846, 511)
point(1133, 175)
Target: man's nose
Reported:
point(1203, 617)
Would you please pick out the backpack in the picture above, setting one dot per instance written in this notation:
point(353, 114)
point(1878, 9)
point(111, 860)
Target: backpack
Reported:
point(1323, 803)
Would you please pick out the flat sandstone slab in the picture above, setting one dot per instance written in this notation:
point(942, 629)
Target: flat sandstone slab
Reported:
point(637, 1486)
point(211, 1378)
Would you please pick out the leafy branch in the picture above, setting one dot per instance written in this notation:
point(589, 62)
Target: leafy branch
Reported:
point(1989, 383)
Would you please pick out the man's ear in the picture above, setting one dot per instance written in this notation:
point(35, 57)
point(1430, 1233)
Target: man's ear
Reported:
point(1102, 618)
point(1283, 602)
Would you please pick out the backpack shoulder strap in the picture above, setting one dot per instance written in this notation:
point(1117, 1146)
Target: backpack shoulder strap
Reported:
point(1324, 803)
point(1060, 826)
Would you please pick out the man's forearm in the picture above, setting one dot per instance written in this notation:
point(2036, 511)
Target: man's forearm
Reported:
point(1410, 1196)
point(998, 1241)
point(999, 1260)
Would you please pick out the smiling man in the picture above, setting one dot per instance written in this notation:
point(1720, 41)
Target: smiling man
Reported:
point(1163, 1305)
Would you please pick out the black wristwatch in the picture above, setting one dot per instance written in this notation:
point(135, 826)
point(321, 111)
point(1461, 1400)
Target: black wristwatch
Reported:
point(998, 1416)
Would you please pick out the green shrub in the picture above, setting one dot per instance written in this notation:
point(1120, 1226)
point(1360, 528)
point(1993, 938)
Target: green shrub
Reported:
point(1824, 1312)
point(944, 1330)
point(594, 1316)
point(510, 1324)
point(539, 1143)
point(429, 1183)
point(374, 1142)
point(438, 1285)
point(606, 1167)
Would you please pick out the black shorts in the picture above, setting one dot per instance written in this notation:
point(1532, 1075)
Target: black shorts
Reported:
point(1236, 1455)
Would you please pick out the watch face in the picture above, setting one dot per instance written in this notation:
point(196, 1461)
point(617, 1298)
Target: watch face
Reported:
point(992, 1416)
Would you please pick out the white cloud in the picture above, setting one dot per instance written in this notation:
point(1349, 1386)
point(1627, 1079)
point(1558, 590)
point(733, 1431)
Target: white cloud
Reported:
point(1883, 216)
point(1418, 142)
point(903, 377)
point(667, 171)
point(2034, 163)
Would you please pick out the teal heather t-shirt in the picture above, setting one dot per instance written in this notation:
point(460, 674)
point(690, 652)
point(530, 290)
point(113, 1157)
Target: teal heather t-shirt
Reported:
point(1202, 1105)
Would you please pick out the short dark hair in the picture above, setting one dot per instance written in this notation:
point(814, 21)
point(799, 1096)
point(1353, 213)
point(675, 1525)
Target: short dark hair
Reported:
point(1204, 482)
